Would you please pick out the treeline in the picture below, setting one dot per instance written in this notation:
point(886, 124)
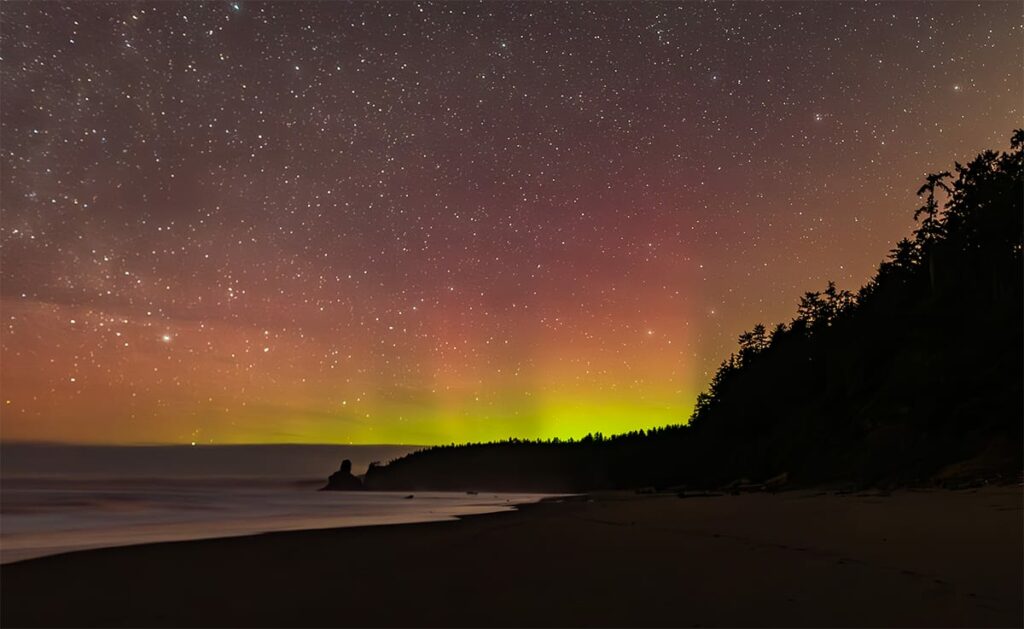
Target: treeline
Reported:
point(594, 461)
point(917, 374)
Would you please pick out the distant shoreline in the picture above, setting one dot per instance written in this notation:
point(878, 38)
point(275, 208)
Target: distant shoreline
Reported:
point(159, 461)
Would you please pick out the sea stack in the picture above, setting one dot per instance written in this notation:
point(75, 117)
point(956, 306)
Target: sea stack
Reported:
point(343, 480)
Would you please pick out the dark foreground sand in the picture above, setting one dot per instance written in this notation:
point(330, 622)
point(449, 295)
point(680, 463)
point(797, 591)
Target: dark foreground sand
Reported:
point(936, 558)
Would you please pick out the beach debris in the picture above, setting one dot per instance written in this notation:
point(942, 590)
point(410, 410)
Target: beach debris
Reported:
point(744, 486)
point(699, 494)
point(775, 483)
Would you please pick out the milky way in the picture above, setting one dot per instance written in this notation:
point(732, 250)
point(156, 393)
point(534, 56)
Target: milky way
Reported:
point(416, 223)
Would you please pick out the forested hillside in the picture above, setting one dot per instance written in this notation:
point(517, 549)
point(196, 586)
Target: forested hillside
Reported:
point(915, 377)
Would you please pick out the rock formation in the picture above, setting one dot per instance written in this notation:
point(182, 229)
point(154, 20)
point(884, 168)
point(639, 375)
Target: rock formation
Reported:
point(343, 480)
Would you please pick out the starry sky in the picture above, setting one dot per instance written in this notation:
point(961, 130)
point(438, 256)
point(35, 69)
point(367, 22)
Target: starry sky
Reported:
point(430, 223)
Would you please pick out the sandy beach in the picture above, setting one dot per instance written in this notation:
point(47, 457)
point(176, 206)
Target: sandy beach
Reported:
point(910, 558)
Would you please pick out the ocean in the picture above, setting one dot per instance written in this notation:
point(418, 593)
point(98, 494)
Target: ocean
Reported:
point(57, 498)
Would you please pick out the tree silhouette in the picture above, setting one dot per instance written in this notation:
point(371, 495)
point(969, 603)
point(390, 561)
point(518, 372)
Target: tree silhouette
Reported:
point(919, 369)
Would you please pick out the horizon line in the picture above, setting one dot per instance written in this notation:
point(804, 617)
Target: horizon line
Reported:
point(33, 442)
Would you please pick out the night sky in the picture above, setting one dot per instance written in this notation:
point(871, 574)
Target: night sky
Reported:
point(431, 223)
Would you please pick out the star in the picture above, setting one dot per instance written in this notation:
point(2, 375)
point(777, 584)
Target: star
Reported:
point(414, 205)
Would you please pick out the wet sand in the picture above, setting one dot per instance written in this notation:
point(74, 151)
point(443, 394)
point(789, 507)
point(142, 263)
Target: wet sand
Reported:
point(935, 558)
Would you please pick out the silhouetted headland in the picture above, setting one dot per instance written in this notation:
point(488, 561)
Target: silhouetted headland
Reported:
point(914, 378)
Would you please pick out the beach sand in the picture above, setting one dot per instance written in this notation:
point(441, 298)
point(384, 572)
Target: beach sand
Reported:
point(912, 558)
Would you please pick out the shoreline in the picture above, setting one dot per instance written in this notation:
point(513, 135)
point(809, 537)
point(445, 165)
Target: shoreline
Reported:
point(441, 518)
point(912, 558)
point(354, 509)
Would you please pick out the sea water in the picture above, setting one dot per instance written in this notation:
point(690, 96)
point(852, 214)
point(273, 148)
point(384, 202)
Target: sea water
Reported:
point(56, 499)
